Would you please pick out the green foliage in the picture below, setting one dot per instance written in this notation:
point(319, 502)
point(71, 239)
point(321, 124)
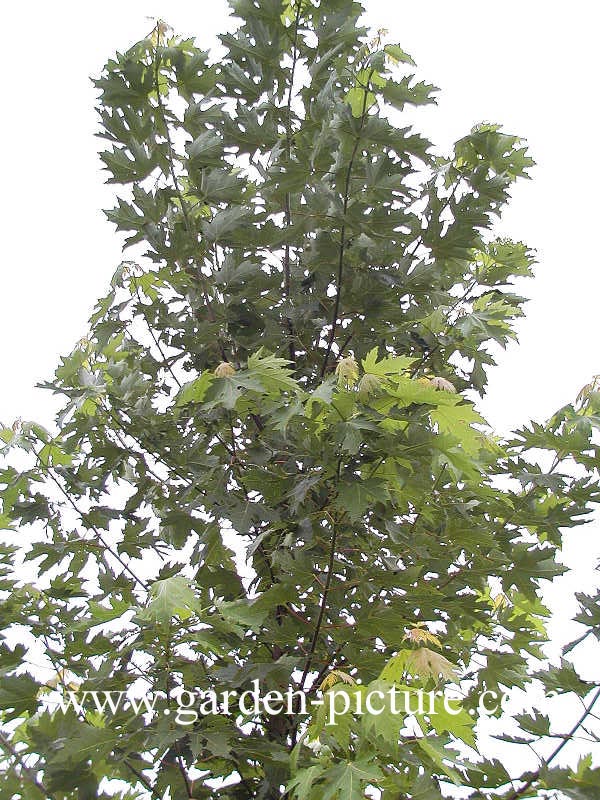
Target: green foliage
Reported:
point(269, 465)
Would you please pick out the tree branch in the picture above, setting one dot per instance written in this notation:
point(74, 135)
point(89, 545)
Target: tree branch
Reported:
point(340, 272)
point(322, 606)
point(288, 209)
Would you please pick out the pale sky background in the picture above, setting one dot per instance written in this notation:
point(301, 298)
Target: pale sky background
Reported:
point(532, 66)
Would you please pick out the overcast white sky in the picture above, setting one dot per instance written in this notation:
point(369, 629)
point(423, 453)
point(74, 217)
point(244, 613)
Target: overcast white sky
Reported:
point(532, 66)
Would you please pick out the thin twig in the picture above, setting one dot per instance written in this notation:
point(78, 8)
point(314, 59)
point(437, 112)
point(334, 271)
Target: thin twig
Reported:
point(83, 516)
point(154, 337)
point(26, 771)
point(565, 740)
point(143, 780)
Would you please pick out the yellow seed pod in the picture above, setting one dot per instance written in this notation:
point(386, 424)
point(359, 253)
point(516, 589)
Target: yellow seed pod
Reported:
point(500, 602)
point(443, 384)
point(334, 677)
point(225, 370)
point(424, 381)
point(419, 635)
point(368, 386)
point(347, 371)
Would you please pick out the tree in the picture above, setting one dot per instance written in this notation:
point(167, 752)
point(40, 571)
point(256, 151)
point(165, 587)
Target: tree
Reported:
point(269, 465)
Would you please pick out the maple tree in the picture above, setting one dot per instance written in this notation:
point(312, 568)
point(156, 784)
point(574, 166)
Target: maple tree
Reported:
point(269, 465)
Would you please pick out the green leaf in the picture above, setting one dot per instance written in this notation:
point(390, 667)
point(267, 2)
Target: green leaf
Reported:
point(347, 780)
point(389, 365)
point(301, 784)
point(244, 613)
point(449, 716)
point(128, 165)
point(52, 455)
point(405, 92)
point(272, 372)
point(223, 392)
point(456, 421)
point(358, 496)
point(438, 754)
point(172, 597)
point(397, 54)
point(395, 670)
point(195, 391)
point(206, 150)
point(227, 222)
point(360, 101)
point(408, 391)
point(18, 695)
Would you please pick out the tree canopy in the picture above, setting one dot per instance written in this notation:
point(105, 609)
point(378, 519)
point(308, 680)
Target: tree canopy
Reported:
point(269, 464)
